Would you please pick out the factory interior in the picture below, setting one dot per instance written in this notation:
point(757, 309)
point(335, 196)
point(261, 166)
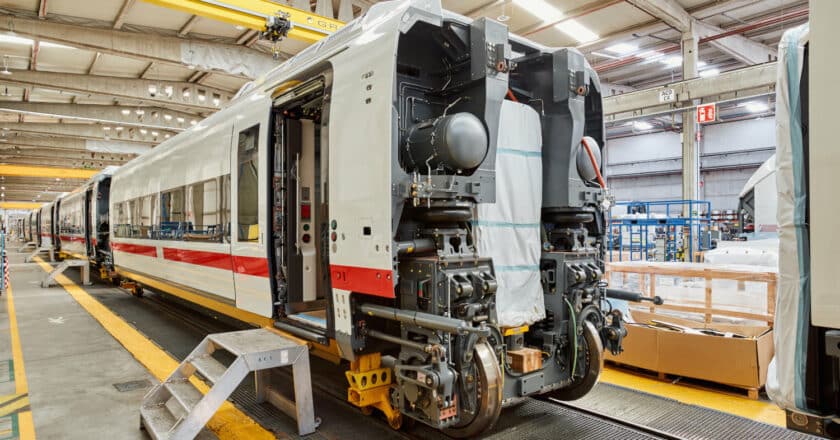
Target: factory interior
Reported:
point(569, 219)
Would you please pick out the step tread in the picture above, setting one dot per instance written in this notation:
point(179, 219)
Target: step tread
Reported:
point(157, 420)
point(252, 341)
point(185, 393)
point(210, 368)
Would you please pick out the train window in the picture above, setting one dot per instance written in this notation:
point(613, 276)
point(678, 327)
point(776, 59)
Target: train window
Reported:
point(202, 212)
point(122, 228)
point(248, 184)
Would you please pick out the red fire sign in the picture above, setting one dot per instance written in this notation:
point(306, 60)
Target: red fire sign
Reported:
point(706, 113)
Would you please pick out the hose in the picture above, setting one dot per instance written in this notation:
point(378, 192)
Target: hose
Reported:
point(511, 96)
point(594, 162)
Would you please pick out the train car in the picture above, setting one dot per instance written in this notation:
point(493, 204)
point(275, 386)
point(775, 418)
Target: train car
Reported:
point(45, 222)
point(31, 225)
point(419, 194)
point(83, 220)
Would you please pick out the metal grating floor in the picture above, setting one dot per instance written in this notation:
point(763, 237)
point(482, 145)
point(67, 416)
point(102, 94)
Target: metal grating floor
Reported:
point(533, 419)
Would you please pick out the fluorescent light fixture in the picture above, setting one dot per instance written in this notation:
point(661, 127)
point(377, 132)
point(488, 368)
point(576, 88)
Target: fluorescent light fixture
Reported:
point(756, 106)
point(622, 48)
point(154, 133)
point(642, 125)
point(139, 112)
point(167, 116)
point(193, 122)
point(579, 32)
point(126, 112)
point(672, 61)
point(180, 119)
point(12, 39)
point(143, 131)
point(601, 54)
point(651, 56)
point(708, 73)
point(167, 135)
point(540, 9)
point(56, 45)
point(118, 128)
point(106, 128)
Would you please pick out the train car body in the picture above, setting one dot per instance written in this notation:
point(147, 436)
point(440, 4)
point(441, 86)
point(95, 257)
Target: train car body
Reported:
point(83, 229)
point(31, 226)
point(348, 197)
point(45, 220)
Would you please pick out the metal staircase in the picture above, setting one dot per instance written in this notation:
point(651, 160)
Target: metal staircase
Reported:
point(177, 410)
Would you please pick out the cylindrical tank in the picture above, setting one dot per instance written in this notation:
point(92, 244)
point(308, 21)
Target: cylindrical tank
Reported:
point(455, 142)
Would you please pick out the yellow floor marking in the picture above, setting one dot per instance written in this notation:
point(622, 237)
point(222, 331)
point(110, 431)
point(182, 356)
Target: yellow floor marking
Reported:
point(23, 402)
point(21, 386)
point(740, 406)
point(228, 422)
point(26, 428)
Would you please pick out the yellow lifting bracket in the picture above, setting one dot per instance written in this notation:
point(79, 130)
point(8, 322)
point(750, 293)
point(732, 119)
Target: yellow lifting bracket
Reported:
point(370, 386)
point(274, 20)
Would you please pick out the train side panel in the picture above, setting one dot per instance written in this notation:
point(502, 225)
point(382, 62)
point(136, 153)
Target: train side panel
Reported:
point(45, 225)
point(71, 225)
point(170, 212)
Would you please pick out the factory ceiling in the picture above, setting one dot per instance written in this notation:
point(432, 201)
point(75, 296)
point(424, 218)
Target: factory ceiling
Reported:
point(92, 83)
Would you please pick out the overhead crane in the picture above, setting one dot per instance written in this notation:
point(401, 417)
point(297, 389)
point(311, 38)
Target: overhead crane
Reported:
point(274, 21)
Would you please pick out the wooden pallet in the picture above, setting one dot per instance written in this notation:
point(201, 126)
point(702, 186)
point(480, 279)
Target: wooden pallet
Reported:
point(750, 393)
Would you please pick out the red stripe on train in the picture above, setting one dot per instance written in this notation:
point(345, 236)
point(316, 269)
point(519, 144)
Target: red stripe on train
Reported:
point(72, 238)
point(377, 282)
point(139, 249)
point(200, 258)
point(254, 266)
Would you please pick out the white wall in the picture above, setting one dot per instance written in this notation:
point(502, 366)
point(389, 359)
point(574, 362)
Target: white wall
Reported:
point(719, 186)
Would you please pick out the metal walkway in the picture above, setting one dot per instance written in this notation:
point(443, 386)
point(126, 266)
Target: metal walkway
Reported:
point(608, 412)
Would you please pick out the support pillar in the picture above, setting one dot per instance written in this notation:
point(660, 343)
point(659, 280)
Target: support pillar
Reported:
point(690, 128)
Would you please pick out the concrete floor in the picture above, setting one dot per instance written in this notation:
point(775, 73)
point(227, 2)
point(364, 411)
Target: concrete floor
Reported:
point(72, 365)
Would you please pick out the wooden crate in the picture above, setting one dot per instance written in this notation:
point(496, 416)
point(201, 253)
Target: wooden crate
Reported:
point(647, 273)
point(525, 360)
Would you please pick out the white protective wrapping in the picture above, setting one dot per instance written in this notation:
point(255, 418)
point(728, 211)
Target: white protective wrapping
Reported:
point(508, 231)
point(782, 373)
point(232, 59)
point(763, 252)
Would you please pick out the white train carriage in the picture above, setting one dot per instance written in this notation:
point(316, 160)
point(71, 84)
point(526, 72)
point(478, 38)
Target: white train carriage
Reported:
point(31, 226)
point(82, 220)
point(45, 232)
point(336, 198)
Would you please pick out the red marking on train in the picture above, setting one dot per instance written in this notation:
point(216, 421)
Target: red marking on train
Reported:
point(200, 258)
point(254, 266)
point(72, 238)
point(377, 282)
point(139, 249)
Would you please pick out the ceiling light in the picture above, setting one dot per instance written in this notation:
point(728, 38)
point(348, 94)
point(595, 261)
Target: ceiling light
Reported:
point(601, 54)
point(642, 125)
point(239, 27)
point(167, 135)
point(11, 39)
point(167, 116)
point(651, 55)
point(126, 112)
point(180, 120)
point(143, 131)
point(118, 128)
point(579, 32)
point(154, 133)
point(57, 179)
point(672, 61)
point(709, 73)
point(168, 90)
point(622, 48)
point(106, 128)
point(756, 107)
point(540, 9)
point(186, 93)
point(193, 122)
point(139, 112)
point(5, 70)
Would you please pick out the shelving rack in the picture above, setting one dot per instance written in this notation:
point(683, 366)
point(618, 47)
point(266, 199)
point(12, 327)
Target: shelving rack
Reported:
point(679, 222)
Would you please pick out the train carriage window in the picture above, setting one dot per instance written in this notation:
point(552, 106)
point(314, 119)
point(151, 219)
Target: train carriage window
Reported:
point(122, 228)
point(248, 184)
point(202, 211)
point(145, 216)
point(173, 224)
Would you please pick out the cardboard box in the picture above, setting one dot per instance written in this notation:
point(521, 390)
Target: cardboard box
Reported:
point(740, 362)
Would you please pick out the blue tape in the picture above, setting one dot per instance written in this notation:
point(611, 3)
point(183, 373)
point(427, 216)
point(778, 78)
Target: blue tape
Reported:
point(516, 152)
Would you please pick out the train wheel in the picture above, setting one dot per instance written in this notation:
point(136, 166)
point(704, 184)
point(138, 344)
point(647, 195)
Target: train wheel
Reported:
point(489, 395)
point(593, 362)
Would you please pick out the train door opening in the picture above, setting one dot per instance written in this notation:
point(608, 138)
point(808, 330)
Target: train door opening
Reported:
point(86, 218)
point(251, 273)
point(300, 221)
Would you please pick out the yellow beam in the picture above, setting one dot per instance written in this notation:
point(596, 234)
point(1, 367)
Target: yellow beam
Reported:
point(252, 14)
point(33, 171)
point(20, 205)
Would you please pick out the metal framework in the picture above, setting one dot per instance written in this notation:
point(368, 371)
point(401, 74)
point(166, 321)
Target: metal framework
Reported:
point(743, 83)
point(255, 14)
point(682, 233)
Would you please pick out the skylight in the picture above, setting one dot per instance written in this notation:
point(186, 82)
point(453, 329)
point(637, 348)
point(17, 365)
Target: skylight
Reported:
point(548, 13)
point(622, 48)
point(14, 39)
point(577, 31)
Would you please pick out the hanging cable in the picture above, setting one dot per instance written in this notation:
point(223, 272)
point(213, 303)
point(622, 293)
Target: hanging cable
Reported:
point(594, 163)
